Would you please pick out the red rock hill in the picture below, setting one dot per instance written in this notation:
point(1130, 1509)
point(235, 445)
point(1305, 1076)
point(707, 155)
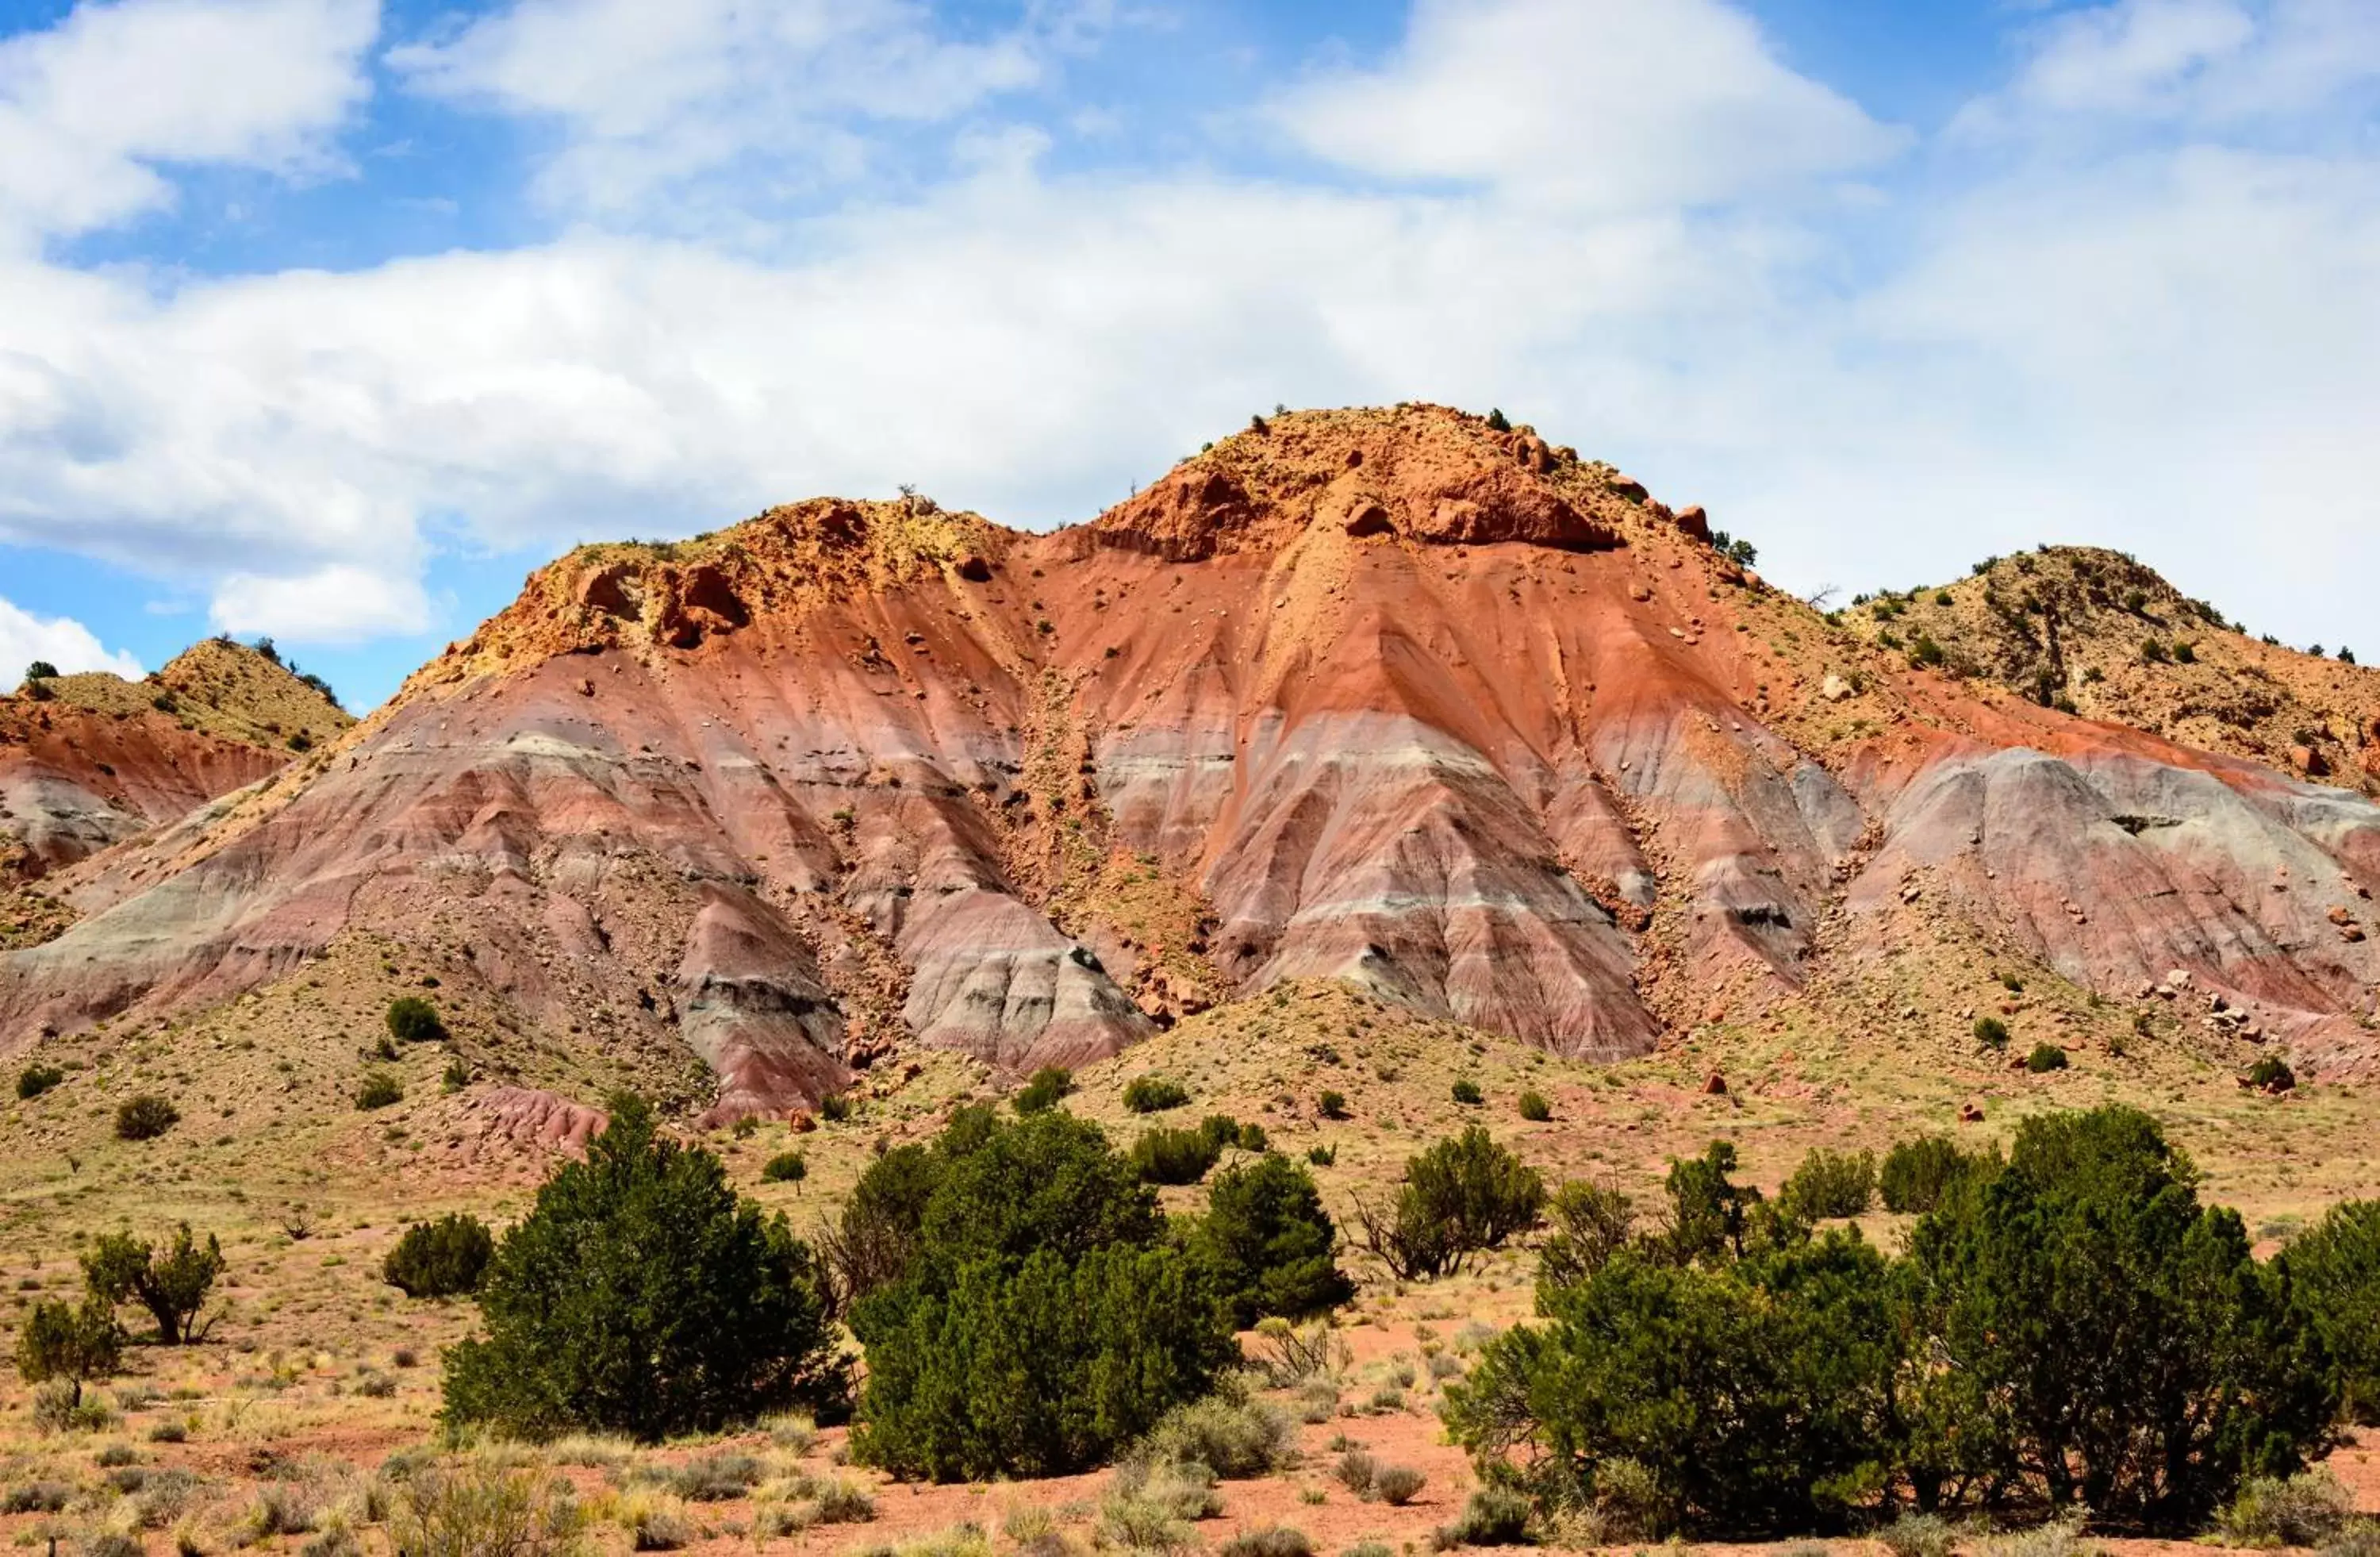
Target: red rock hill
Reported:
point(1387, 696)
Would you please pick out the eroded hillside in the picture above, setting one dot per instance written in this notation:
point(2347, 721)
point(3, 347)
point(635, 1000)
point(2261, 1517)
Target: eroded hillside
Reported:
point(1394, 698)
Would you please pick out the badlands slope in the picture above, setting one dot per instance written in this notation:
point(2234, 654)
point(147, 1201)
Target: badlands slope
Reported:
point(1389, 697)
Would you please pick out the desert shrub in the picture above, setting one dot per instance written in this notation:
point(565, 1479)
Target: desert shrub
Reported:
point(1831, 1184)
point(1467, 1093)
point(1235, 1439)
point(2130, 1344)
point(880, 1225)
point(845, 1502)
point(1048, 1086)
point(1331, 1104)
point(642, 1295)
point(1493, 1516)
point(1591, 1223)
point(379, 1089)
point(1163, 1156)
point(2308, 1509)
point(1534, 1108)
point(145, 1117)
point(1462, 1195)
point(2045, 1058)
point(72, 1344)
point(1711, 1216)
point(440, 1258)
point(1149, 1506)
point(1749, 1391)
point(41, 670)
point(36, 1497)
point(1398, 1484)
point(170, 1284)
point(412, 1020)
point(2272, 1074)
point(1268, 1245)
point(2334, 1276)
point(719, 1477)
point(1321, 1156)
point(785, 1167)
point(1991, 1032)
point(1039, 1319)
point(1154, 1094)
point(456, 1075)
point(1918, 1535)
point(1287, 1353)
point(835, 1107)
point(37, 1078)
point(480, 1508)
point(1917, 1173)
point(1269, 1541)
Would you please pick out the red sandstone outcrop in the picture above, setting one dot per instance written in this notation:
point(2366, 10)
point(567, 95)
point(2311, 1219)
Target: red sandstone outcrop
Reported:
point(1390, 696)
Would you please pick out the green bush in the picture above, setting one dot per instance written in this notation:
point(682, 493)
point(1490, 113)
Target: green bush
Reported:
point(1592, 1223)
point(41, 670)
point(1711, 1216)
point(2308, 1509)
point(1467, 1093)
point(785, 1167)
point(2333, 1277)
point(440, 1258)
point(835, 1107)
point(1163, 1156)
point(412, 1020)
point(379, 1089)
point(883, 1223)
point(71, 1343)
point(1917, 1173)
point(2070, 1329)
point(1322, 1156)
point(457, 1074)
point(1991, 1032)
point(2272, 1074)
point(1332, 1104)
point(1494, 1515)
point(1048, 1086)
point(2045, 1058)
point(1154, 1094)
point(1462, 1195)
point(145, 1117)
point(1235, 1439)
point(1830, 1183)
point(172, 1285)
point(1037, 1319)
point(642, 1295)
point(37, 1078)
point(1534, 1108)
point(1268, 1245)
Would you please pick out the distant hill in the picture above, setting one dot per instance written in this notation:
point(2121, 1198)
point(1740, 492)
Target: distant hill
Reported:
point(2101, 634)
point(90, 760)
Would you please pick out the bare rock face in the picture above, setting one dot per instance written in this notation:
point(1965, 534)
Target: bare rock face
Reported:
point(1390, 696)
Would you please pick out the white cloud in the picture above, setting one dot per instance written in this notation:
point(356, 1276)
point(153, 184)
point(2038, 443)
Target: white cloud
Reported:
point(2198, 64)
point(90, 108)
point(2146, 341)
point(336, 605)
point(61, 640)
point(1628, 104)
point(650, 96)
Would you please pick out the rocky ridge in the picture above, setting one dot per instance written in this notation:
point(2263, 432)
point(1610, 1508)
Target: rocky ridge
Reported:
point(1399, 698)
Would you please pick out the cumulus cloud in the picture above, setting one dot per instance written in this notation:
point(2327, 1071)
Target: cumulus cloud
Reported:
point(60, 640)
point(2143, 339)
point(1623, 105)
point(651, 97)
point(93, 108)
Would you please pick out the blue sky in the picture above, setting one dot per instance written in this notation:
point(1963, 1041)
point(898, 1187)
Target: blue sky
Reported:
point(330, 319)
